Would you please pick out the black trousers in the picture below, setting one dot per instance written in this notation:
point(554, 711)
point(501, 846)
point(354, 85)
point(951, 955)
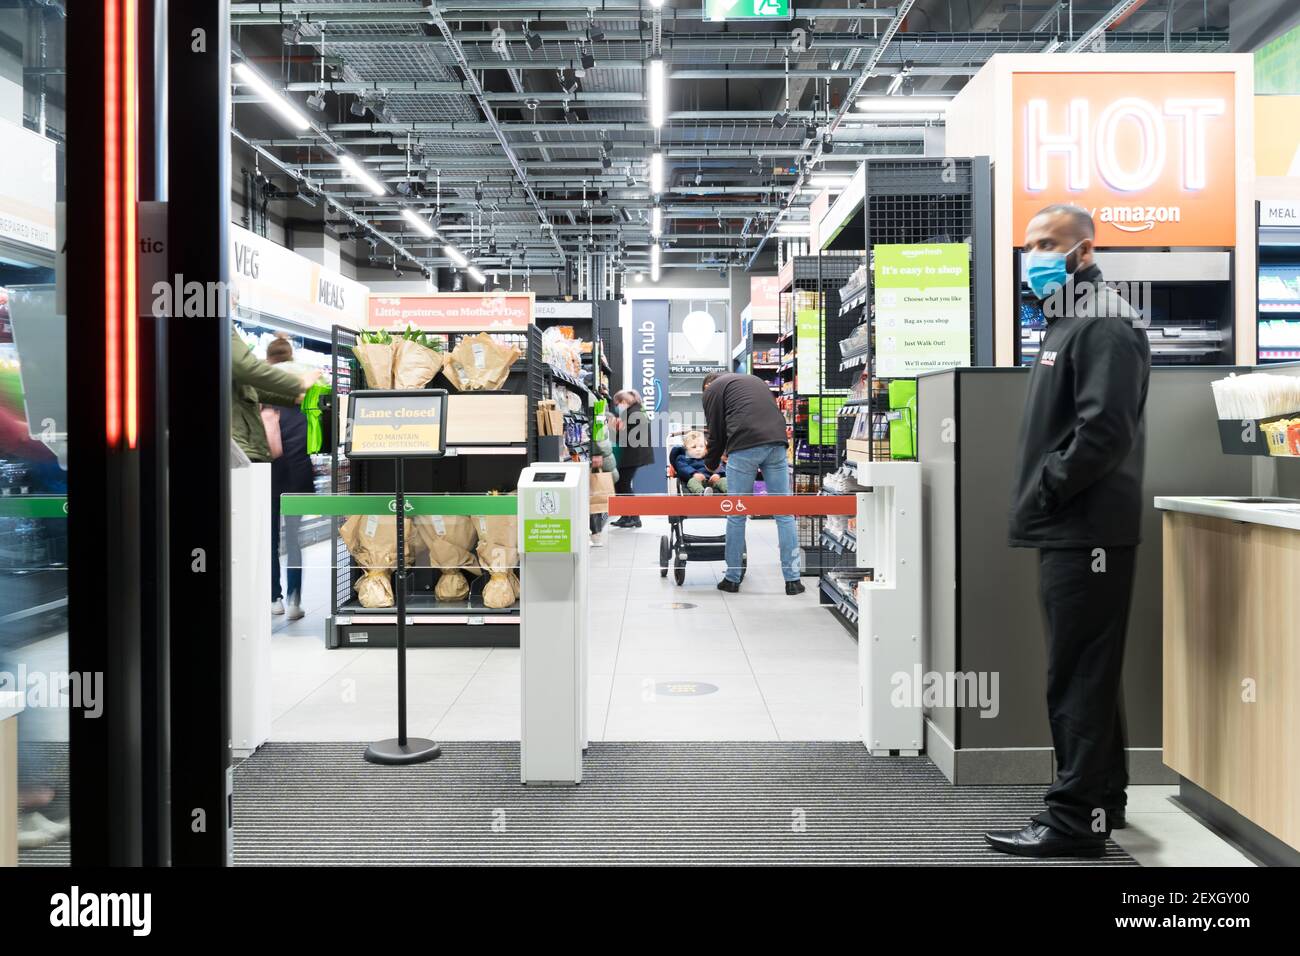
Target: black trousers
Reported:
point(1086, 595)
point(624, 484)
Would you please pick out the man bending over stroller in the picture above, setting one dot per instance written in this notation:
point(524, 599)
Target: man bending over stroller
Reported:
point(692, 469)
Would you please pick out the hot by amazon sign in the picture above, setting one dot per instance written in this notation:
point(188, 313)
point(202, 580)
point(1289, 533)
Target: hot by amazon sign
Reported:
point(1152, 156)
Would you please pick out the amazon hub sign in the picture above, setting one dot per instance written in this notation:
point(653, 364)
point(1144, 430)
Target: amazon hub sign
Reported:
point(1152, 156)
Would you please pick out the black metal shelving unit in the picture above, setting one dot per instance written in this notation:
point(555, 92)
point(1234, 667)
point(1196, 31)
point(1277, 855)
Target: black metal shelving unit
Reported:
point(915, 200)
point(813, 282)
point(468, 468)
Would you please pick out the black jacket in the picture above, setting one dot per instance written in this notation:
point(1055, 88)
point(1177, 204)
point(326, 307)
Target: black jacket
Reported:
point(291, 473)
point(636, 440)
point(1078, 479)
point(741, 412)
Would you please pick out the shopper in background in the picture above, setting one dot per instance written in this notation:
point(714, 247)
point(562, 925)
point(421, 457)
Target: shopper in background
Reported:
point(1077, 498)
point(291, 474)
point(602, 460)
point(747, 430)
point(257, 383)
point(636, 446)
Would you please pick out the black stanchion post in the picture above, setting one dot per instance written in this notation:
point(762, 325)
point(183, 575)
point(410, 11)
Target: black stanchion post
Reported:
point(401, 750)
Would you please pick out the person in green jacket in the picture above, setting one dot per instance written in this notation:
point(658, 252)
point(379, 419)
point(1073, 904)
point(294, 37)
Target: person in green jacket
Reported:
point(257, 383)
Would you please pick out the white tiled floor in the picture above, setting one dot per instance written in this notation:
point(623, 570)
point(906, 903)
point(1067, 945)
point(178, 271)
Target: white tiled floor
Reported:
point(783, 667)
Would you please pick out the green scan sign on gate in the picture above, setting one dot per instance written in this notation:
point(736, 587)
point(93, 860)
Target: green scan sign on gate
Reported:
point(747, 9)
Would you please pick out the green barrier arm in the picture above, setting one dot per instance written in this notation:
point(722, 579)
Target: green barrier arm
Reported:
point(33, 506)
point(344, 505)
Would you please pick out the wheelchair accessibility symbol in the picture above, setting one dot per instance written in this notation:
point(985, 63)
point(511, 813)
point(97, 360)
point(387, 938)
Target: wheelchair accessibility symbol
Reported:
point(732, 504)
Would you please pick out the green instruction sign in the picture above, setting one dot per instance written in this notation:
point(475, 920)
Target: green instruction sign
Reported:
point(547, 536)
point(922, 299)
point(747, 9)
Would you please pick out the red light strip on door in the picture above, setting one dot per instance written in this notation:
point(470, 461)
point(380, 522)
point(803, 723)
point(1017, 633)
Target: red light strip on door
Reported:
point(121, 347)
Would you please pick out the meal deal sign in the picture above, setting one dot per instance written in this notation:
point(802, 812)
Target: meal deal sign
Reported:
point(1152, 156)
point(922, 297)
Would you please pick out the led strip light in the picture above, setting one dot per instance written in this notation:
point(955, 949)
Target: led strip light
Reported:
point(121, 348)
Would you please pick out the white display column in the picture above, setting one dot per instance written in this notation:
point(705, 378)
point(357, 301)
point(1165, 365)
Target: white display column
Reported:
point(250, 607)
point(890, 605)
point(554, 625)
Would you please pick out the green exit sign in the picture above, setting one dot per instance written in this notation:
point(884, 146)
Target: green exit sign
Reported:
point(747, 9)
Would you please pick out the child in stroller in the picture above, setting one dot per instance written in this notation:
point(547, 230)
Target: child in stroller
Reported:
point(688, 461)
point(687, 475)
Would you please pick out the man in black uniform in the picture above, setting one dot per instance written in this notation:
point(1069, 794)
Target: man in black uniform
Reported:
point(1077, 498)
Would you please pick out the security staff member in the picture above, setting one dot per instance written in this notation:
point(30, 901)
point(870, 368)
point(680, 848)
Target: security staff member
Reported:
point(1077, 498)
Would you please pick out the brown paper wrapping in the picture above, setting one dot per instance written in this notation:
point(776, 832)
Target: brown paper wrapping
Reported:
point(372, 542)
point(602, 487)
point(414, 365)
point(479, 362)
point(499, 560)
point(376, 363)
point(450, 542)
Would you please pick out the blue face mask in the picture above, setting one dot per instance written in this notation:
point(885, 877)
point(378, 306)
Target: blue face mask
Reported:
point(1046, 272)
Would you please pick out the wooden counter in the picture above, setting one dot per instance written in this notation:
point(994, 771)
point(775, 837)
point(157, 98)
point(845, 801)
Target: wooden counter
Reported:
point(11, 705)
point(1232, 655)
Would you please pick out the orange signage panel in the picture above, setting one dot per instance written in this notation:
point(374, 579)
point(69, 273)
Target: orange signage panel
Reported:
point(488, 311)
point(1152, 156)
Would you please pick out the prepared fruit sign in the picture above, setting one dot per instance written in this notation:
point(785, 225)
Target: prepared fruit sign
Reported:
point(405, 424)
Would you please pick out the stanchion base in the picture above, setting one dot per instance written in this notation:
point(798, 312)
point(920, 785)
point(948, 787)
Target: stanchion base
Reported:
point(415, 750)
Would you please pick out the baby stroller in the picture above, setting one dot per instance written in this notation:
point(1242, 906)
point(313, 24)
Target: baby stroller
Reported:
point(679, 546)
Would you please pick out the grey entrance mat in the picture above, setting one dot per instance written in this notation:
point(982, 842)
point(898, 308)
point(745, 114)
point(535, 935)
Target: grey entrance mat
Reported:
point(639, 803)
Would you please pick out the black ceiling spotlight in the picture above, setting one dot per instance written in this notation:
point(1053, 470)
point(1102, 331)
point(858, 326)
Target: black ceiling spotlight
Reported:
point(828, 145)
point(810, 132)
point(605, 161)
point(781, 119)
point(568, 81)
point(532, 38)
point(358, 107)
point(478, 192)
point(588, 58)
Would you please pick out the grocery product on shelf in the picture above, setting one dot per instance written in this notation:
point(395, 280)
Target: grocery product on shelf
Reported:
point(374, 351)
point(417, 358)
point(499, 555)
point(479, 362)
point(372, 542)
point(450, 541)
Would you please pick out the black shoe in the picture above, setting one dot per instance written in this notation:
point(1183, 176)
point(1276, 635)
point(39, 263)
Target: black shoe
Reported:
point(623, 522)
point(1117, 819)
point(731, 587)
point(1040, 840)
point(794, 587)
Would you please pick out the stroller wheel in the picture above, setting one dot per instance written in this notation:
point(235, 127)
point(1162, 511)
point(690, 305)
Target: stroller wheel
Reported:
point(665, 555)
point(679, 569)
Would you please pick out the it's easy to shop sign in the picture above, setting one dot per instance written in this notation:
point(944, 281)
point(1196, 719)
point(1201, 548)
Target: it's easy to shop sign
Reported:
point(1151, 156)
point(747, 9)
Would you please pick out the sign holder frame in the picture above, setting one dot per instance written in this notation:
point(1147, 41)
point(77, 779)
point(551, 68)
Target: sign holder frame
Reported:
point(400, 750)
